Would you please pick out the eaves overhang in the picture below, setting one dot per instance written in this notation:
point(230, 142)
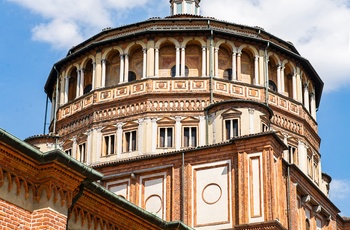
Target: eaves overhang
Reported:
point(204, 25)
point(294, 168)
point(189, 150)
point(56, 155)
point(134, 209)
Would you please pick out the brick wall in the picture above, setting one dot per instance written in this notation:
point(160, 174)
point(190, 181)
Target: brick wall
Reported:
point(14, 217)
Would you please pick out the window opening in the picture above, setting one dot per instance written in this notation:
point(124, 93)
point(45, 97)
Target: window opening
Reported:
point(130, 141)
point(165, 137)
point(231, 128)
point(190, 137)
point(82, 153)
point(131, 76)
point(228, 74)
point(173, 71)
point(108, 145)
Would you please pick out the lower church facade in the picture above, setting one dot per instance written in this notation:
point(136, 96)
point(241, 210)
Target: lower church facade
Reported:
point(243, 183)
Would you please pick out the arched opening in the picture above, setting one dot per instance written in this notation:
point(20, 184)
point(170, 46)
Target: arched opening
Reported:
point(247, 67)
point(272, 70)
point(112, 69)
point(225, 61)
point(272, 86)
point(135, 63)
point(88, 77)
point(193, 60)
point(131, 76)
point(228, 74)
point(288, 81)
point(72, 89)
point(173, 71)
point(307, 224)
point(167, 58)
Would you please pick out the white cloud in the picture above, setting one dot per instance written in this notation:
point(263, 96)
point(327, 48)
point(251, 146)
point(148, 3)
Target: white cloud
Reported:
point(67, 23)
point(340, 190)
point(339, 194)
point(319, 29)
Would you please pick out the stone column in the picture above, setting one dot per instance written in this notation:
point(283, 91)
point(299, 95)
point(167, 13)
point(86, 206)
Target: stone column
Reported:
point(306, 97)
point(282, 80)
point(121, 67)
point(140, 136)
point(202, 131)
point(177, 133)
point(299, 86)
point(150, 58)
point(183, 62)
point(216, 62)
point(74, 148)
point(234, 66)
point(294, 82)
point(279, 87)
point(126, 63)
point(77, 89)
point(144, 63)
point(82, 82)
point(66, 89)
point(302, 152)
point(239, 66)
point(154, 135)
point(119, 139)
point(204, 62)
point(96, 145)
point(286, 152)
point(251, 121)
point(88, 147)
point(313, 105)
point(103, 77)
point(177, 66)
point(156, 62)
point(256, 70)
point(93, 75)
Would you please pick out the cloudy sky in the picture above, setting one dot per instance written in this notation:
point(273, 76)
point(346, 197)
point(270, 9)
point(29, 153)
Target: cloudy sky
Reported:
point(37, 33)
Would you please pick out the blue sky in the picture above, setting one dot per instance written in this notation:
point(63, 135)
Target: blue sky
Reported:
point(36, 34)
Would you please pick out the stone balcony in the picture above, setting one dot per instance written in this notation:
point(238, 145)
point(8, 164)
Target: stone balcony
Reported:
point(222, 90)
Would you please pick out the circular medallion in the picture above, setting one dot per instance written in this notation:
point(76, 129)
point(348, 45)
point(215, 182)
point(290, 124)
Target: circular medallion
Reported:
point(211, 193)
point(154, 204)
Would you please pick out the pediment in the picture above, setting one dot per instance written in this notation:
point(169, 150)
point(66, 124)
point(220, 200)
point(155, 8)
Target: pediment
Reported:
point(109, 128)
point(166, 120)
point(230, 113)
point(190, 120)
point(131, 124)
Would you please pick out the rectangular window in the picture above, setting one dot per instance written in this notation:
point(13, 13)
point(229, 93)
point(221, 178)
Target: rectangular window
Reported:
point(309, 165)
point(190, 137)
point(82, 153)
point(165, 137)
point(130, 141)
point(316, 172)
point(318, 224)
point(293, 155)
point(231, 128)
point(179, 8)
point(69, 152)
point(108, 145)
point(264, 127)
point(188, 7)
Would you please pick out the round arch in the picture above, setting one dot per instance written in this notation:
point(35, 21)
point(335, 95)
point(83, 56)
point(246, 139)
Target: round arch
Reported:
point(107, 51)
point(161, 41)
point(194, 39)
